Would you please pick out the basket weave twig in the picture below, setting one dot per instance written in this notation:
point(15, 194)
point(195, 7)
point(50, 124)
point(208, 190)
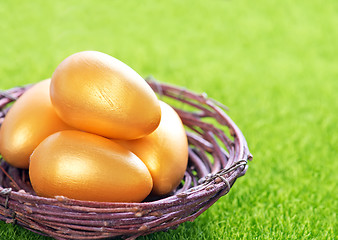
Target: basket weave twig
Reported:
point(218, 155)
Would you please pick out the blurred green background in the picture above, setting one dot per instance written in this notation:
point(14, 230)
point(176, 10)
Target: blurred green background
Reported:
point(273, 63)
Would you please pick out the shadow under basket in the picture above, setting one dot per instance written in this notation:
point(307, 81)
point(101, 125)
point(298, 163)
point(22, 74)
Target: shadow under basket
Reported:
point(218, 155)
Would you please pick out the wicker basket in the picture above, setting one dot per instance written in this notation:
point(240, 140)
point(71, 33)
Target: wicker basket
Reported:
point(218, 155)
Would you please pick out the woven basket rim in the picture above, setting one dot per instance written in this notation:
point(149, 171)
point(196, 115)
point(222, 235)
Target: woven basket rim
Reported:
point(205, 180)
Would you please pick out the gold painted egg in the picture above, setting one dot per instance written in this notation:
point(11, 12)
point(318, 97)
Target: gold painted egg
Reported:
point(31, 119)
point(86, 166)
point(97, 93)
point(164, 152)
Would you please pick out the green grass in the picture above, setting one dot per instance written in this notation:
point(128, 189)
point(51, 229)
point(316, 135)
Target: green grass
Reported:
point(273, 63)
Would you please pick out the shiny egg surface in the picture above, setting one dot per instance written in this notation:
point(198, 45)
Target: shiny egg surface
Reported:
point(30, 120)
point(164, 152)
point(97, 93)
point(86, 166)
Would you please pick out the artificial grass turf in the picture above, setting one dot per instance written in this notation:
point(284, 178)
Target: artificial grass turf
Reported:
point(273, 63)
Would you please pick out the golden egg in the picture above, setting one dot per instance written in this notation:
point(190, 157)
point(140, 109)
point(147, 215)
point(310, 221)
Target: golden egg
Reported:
point(86, 166)
point(97, 93)
point(31, 119)
point(164, 152)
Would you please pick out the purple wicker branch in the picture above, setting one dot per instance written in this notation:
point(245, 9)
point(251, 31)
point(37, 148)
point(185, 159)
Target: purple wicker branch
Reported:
point(218, 155)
